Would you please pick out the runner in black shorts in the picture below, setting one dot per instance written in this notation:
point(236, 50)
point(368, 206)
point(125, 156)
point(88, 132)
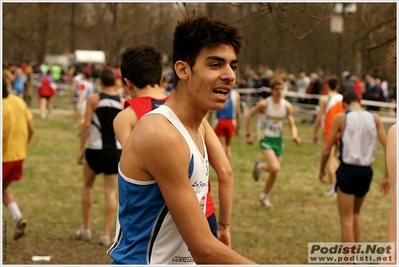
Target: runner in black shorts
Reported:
point(103, 161)
point(359, 132)
point(102, 153)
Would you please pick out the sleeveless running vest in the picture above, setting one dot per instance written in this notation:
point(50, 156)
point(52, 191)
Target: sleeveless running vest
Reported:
point(101, 133)
point(228, 111)
point(333, 107)
point(270, 123)
point(146, 232)
point(143, 104)
point(358, 141)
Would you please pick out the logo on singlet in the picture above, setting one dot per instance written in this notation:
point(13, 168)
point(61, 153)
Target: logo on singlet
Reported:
point(156, 103)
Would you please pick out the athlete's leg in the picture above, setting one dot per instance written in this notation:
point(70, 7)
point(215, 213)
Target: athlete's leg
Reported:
point(332, 165)
point(111, 204)
point(272, 166)
point(346, 207)
point(87, 192)
point(43, 103)
point(357, 229)
point(7, 196)
point(50, 106)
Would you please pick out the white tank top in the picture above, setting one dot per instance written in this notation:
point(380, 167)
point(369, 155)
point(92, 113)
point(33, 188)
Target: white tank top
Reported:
point(199, 180)
point(270, 123)
point(358, 144)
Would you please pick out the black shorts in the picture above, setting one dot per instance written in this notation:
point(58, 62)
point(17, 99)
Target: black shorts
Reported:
point(103, 161)
point(213, 224)
point(354, 180)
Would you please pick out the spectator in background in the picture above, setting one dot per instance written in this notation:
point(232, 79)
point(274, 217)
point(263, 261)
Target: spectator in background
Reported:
point(392, 99)
point(302, 82)
point(314, 88)
point(265, 82)
point(17, 133)
point(384, 88)
point(373, 92)
point(357, 85)
point(346, 83)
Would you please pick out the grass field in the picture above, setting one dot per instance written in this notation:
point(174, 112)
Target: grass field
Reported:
point(49, 198)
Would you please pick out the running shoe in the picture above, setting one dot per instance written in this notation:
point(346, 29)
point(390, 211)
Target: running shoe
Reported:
point(330, 193)
point(104, 240)
point(265, 201)
point(83, 234)
point(20, 228)
point(256, 171)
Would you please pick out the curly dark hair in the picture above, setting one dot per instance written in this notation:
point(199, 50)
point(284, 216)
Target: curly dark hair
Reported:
point(195, 33)
point(142, 65)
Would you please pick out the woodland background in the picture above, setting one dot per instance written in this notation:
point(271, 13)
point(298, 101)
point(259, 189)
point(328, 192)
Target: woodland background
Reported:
point(289, 36)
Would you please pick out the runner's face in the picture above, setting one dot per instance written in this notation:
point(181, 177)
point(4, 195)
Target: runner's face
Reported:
point(277, 91)
point(213, 76)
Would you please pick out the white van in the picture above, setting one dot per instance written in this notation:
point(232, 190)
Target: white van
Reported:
point(89, 56)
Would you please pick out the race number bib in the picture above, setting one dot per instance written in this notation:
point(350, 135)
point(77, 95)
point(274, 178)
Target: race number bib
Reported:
point(274, 128)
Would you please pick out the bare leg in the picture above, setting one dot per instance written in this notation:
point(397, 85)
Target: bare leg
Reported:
point(87, 198)
point(110, 194)
point(7, 196)
point(346, 208)
point(272, 166)
point(50, 107)
point(357, 229)
point(43, 103)
point(332, 165)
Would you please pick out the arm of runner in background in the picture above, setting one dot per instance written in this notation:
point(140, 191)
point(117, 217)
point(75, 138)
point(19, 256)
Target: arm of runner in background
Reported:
point(92, 101)
point(382, 136)
point(337, 127)
point(238, 112)
point(124, 123)
point(260, 107)
point(322, 106)
point(291, 122)
point(221, 164)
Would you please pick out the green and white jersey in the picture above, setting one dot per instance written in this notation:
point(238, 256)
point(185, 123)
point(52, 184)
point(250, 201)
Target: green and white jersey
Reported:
point(270, 123)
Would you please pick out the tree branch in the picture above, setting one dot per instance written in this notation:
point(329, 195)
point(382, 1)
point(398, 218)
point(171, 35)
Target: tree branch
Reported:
point(381, 44)
point(291, 32)
point(311, 15)
point(23, 39)
point(366, 35)
point(281, 48)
